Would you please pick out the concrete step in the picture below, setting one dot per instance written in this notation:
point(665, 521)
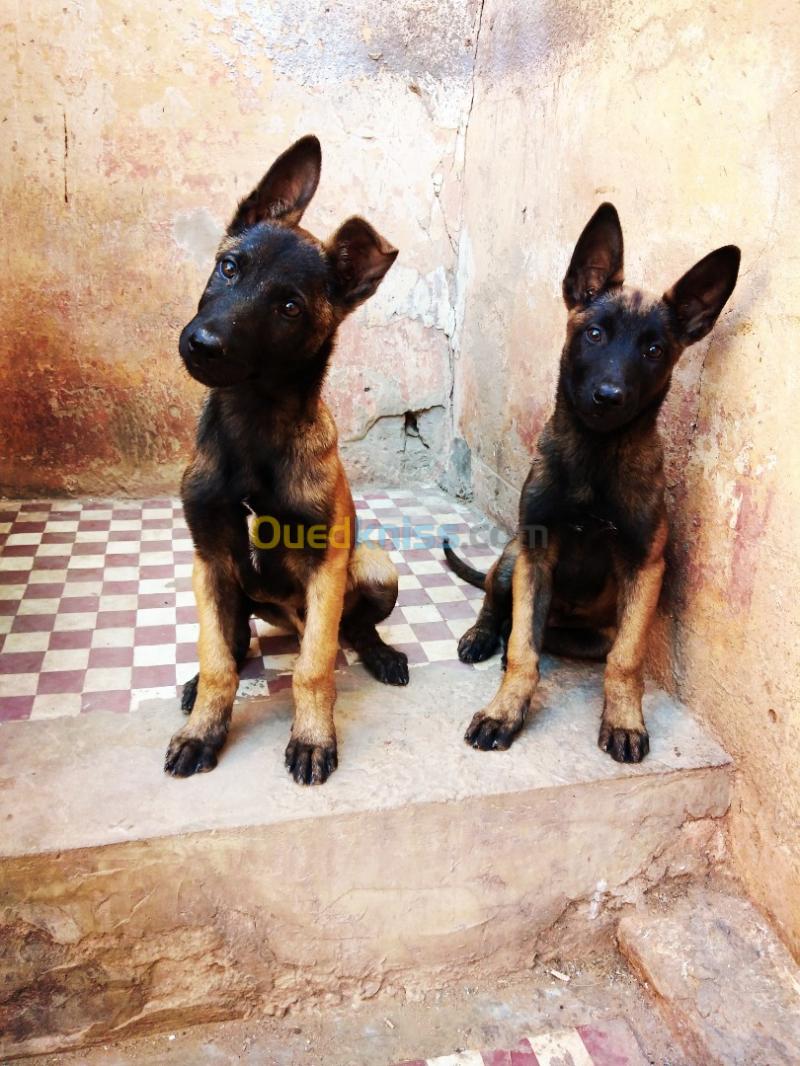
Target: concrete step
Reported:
point(587, 996)
point(134, 901)
point(728, 986)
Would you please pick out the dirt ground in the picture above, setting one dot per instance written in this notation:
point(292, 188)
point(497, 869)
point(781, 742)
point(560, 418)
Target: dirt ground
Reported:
point(385, 1031)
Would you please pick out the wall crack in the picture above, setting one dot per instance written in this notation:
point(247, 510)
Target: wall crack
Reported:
point(474, 67)
point(450, 481)
point(66, 157)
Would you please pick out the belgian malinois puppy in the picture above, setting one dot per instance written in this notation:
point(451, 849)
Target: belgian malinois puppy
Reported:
point(267, 452)
point(583, 574)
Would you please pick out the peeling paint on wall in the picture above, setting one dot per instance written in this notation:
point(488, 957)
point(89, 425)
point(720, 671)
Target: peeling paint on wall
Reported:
point(128, 140)
point(197, 234)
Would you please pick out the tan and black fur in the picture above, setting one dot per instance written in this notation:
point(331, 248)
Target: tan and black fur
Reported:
point(267, 446)
point(583, 574)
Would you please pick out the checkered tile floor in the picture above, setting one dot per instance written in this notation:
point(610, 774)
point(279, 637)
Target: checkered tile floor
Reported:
point(97, 612)
point(600, 1044)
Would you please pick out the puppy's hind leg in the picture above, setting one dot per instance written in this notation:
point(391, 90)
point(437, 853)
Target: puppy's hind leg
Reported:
point(371, 596)
point(494, 620)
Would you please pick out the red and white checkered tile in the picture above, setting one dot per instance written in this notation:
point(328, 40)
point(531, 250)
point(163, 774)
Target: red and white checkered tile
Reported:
point(609, 1044)
point(97, 611)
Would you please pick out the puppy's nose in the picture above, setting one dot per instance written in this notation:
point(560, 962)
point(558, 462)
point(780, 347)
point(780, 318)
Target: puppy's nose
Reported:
point(205, 343)
point(608, 395)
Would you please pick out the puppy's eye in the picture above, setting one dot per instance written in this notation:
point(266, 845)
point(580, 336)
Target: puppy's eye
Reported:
point(228, 267)
point(594, 334)
point(290, 309)
point(654, 352)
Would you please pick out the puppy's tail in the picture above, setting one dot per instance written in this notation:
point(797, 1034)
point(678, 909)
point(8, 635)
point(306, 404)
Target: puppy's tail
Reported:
point(464, 570)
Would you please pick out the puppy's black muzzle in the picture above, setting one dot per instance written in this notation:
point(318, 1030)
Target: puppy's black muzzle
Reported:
point(203, 344)
point(207, 358)
point(606, 405)
point(609, 395)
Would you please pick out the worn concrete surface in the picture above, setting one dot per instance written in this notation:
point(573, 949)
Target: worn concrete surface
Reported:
point(127, 140)
point(685, 116)
point(134, 901)
point(382, 1032)
point(726, 983)
point(396, 747)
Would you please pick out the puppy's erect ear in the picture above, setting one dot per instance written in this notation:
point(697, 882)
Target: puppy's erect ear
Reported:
point(286, 189)
point(697, 299)
point(360, 258)
point(597, 262)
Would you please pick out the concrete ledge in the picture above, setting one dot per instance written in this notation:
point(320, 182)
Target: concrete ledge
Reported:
point(131, 900)
point(729, 988)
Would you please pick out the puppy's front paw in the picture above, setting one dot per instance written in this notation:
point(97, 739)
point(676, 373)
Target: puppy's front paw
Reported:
point(624, 745)
point(492, 734)
point(311, 764)
point(187, 755)
point(477, 644)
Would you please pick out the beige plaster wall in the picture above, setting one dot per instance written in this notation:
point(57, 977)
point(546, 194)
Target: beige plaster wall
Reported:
point(686, 117)
point(127, 133)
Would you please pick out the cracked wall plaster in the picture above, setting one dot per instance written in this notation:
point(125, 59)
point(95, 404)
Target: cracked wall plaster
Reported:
point(127, 141)
point(685, 119)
